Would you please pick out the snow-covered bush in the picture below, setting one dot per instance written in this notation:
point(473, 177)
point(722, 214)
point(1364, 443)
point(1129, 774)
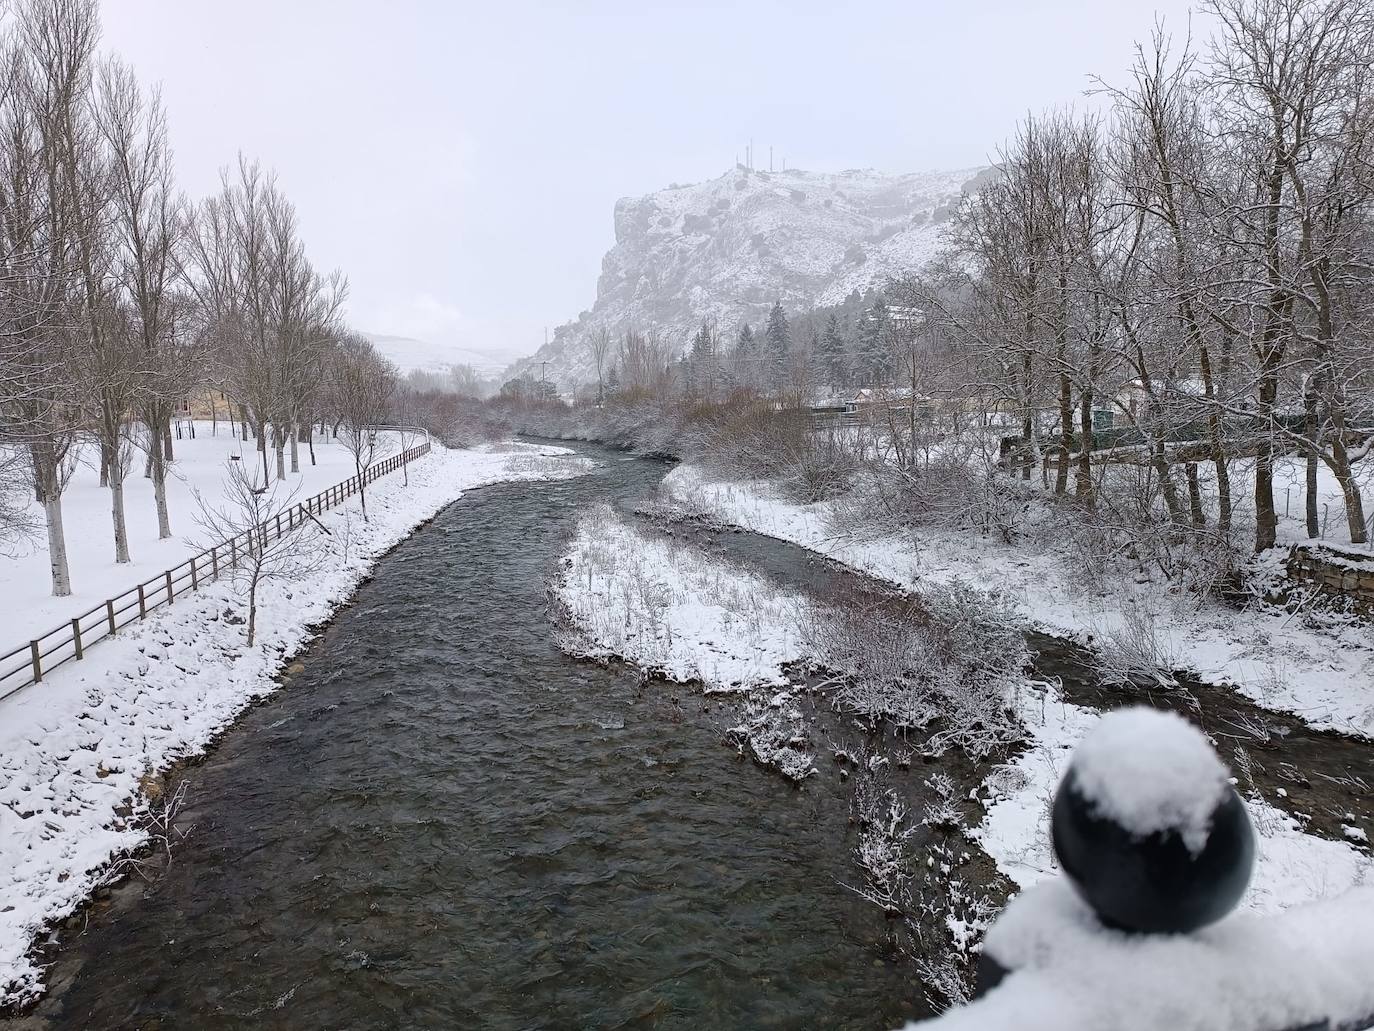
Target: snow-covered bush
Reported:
point(1138, 645)
point(773, 732)
point(946, 664)
point(952, 490)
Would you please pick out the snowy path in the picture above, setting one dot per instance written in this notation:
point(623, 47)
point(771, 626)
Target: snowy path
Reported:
point(77, 749)
point(29, 609)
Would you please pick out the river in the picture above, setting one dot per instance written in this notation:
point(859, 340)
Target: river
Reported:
point(443, 821)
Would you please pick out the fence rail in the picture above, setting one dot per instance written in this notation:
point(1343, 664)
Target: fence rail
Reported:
point(30, 663)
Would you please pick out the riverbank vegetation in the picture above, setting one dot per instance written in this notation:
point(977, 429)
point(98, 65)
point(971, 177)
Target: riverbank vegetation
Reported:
point(1146, 330)
point(938, 719)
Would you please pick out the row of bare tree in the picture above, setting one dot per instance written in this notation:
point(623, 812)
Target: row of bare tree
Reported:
point(123, 304)
point(1199, 262)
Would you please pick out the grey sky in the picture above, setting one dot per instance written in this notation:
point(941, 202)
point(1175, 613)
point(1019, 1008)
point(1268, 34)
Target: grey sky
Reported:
point(460, 161)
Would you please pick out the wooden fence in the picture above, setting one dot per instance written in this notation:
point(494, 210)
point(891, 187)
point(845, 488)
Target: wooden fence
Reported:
point(31, 662)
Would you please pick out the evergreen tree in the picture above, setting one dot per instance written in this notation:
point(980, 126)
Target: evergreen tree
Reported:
point(830, 357)
point(746, 351)
point(871, 363)
point(778, 336)
point(702, 363)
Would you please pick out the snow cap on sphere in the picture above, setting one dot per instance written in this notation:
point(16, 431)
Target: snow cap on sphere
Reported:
point(1151, 771)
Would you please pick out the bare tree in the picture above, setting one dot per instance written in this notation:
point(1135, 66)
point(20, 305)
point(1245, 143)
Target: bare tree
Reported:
point(270, 536)
point(600, 344)
point(361, 386)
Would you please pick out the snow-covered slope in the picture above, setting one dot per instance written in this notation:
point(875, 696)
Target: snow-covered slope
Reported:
point(408, 354)
point(728, 248)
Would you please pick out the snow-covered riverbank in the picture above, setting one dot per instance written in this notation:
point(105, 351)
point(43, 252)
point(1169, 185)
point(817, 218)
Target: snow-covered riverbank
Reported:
point(77, 749)
point(1321, 675)
point(681, 614)
point(1292, 866)
point(674, 611)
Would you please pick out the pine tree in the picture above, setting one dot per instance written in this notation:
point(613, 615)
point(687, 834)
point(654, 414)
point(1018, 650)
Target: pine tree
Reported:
point(830, 356)
point(702, 364)
point(778, 336)
point(745, 352)
point(871, 362)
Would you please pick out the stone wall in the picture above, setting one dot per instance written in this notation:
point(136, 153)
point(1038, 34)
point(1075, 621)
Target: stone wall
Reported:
point(1339, 574)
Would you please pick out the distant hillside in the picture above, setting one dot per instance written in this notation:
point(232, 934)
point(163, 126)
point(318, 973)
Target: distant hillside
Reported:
point(728, 248)
point(409, 354)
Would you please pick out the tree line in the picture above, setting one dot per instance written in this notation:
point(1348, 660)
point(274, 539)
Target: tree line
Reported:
point(123, 303)
point(1195, 264)
point(1207, 243)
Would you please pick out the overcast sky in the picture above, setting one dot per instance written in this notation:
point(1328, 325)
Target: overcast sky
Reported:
point(460, 161)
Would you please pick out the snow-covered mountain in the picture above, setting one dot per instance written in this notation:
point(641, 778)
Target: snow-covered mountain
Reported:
point(728, 248)
point(409, 354)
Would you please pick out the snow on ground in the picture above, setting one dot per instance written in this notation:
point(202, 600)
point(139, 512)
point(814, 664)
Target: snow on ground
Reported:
point(74, 750)
point(1290, 500)
point(1290, 866)
point(675, 611)
point(681, 614)
point(1323, 676)
point(29, 609)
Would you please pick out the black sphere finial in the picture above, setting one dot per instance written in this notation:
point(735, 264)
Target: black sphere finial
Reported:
point(1149, 829)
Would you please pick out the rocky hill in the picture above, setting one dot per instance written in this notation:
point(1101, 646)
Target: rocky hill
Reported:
point(728, 248)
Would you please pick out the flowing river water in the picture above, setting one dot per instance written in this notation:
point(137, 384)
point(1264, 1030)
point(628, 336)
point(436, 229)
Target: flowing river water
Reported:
point(442, 821)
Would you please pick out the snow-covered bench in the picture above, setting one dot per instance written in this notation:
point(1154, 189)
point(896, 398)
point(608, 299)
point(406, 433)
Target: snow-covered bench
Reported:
point(1157, 849)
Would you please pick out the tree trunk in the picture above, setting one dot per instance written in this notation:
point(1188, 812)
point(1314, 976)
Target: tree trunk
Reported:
point(1194, 495)
point(1309, 404)
point(1350, 490)
point(159, 469)
point(1314, 526)
point(57, 543)
point(1083, 485)
point(1061, 476)
point(295, 448)
point(1166, 482)
point(121, 532)
point(1266, 519)
point(252, 609)
point(1216, 440)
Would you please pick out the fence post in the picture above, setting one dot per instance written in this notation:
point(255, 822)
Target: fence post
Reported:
point(109, 613)
point(195, 584)
point(76, 636)
point(214, 563)
point(278, 524)
point(142, 604)
point(37, 662)
point(233, 552)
